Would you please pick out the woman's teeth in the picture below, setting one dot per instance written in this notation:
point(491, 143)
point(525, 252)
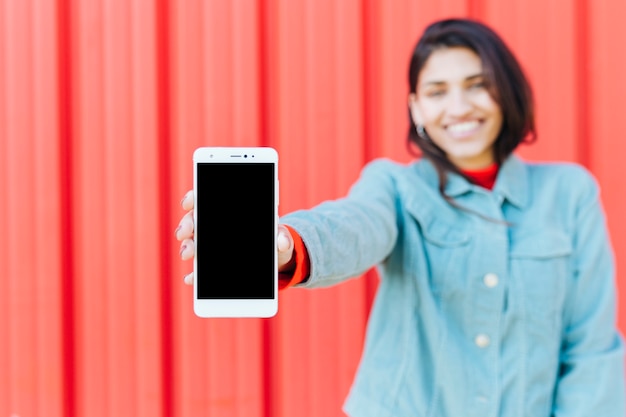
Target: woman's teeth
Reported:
point(463, 127)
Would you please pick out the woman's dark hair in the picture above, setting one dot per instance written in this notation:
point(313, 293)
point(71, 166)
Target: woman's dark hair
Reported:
point(504, 78)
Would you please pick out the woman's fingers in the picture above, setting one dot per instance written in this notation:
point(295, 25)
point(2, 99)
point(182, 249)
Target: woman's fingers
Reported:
point(185, 233)
point(187, 202)
point(185, 228)
point(187, 249)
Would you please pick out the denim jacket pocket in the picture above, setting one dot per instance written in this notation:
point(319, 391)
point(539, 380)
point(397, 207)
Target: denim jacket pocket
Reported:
point(540, 266)
point(444, 235)
point(445, 248)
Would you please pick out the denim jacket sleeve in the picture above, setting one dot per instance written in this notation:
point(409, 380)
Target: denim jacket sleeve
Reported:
point(356, 232)
point(591, 375)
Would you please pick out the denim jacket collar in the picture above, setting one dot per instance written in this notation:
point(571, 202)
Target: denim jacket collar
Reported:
point(511, 183)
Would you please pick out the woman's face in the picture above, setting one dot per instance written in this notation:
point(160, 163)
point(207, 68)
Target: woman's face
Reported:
point(455, 108)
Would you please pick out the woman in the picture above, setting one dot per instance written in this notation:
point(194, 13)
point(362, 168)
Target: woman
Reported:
point(497, 289)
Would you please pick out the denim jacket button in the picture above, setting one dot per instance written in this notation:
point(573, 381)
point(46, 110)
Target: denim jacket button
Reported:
point(482, 340)
point(482, 399)
point(490, 280)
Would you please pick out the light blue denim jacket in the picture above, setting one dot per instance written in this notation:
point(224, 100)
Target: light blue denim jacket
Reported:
point(508, 317)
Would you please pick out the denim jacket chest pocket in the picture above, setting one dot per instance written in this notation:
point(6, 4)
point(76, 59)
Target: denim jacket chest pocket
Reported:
point(445, 246)
point(540, 267)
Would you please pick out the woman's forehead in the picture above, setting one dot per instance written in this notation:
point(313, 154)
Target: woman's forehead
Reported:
point(447, 65)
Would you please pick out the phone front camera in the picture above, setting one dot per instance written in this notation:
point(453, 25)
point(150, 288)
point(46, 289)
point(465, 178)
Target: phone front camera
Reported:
point(245, 156)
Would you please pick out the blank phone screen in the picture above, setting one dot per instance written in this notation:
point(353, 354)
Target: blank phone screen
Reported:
point(235, 227)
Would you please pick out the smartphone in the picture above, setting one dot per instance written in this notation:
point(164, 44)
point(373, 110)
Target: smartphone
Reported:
point(236, 221)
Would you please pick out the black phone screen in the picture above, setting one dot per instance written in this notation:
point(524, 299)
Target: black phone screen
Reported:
point(235, 230)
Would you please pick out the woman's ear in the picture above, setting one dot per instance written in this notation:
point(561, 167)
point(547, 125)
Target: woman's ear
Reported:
point(415, 112)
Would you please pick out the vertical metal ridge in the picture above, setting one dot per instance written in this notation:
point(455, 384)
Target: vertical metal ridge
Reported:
point(92, 356)
point(266, 127)
point(22, 288)
point(368, 64)
point(142, 203)
point(166, 196)
point(5, 309)
point(46, 297)
point(264, 26)
point(121, 372)
point(66, 155)
point(583, 81)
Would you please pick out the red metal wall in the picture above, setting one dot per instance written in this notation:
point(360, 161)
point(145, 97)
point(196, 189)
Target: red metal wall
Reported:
point(101, 105)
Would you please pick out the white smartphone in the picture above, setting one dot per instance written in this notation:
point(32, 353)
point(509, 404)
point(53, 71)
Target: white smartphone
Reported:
point(236, 221)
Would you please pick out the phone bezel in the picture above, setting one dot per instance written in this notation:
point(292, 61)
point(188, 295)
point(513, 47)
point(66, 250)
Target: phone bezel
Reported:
point(234, 308)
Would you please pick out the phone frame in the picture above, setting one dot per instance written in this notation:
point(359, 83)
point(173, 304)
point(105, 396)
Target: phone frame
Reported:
point(234, 308)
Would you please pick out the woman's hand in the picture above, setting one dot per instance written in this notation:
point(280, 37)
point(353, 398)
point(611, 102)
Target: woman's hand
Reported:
point(185, 235)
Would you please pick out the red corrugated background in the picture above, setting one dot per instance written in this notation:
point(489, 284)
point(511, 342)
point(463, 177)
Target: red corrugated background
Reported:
point(101, 105)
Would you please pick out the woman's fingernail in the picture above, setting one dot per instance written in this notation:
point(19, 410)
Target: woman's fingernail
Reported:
point(180, 226)
point(283, 242)
point(182, 249)
point(183, 200)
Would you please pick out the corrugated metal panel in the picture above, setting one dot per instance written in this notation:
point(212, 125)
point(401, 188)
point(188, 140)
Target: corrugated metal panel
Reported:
point(101, 105)
point(605, 67)
point(114, 192)
point(32, 298)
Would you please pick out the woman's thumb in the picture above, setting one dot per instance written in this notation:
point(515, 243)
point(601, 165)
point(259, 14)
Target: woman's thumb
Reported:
point(284, 240)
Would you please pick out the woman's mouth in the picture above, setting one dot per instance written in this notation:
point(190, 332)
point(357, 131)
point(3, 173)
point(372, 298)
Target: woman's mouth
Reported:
point(463, 129)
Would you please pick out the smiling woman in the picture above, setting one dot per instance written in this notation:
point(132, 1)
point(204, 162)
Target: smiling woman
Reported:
point(497, 278)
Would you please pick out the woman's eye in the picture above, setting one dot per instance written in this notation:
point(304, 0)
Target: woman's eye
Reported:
point(435, 93)
point(477, 85)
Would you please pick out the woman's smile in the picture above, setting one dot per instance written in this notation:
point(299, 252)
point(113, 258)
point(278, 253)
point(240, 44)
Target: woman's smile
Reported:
point(461, 130)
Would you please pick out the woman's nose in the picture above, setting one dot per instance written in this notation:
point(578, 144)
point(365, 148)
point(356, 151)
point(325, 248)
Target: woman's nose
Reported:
point(458, 104)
